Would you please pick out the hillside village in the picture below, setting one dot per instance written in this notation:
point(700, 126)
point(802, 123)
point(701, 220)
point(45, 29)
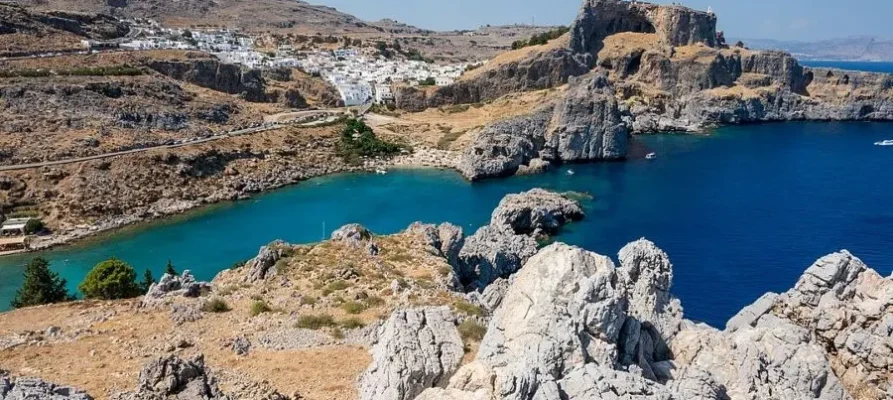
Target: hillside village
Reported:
point(359, 74)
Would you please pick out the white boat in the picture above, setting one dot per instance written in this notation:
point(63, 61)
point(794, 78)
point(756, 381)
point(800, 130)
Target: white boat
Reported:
point(884, 143)
point(570, 172)
point(651, 156)
point(381, 171)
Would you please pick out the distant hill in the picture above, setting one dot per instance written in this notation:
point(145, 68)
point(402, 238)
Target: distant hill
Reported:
point(845, 49)
point(246, 14)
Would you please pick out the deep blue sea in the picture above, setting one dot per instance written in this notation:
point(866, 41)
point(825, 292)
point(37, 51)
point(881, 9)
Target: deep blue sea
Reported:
point(741, 212)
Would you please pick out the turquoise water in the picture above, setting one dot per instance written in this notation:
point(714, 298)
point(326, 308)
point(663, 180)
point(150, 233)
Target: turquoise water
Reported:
point(740, 212)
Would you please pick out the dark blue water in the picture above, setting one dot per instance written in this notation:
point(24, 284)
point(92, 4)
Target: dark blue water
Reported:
point(865, 66)
point(740, 212)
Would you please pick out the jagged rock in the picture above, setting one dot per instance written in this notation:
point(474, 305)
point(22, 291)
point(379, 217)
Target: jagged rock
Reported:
point(241, 346)
point(452, 239)
point(535, 212)
point(415, 349)
point(215, 75)
point(175, 378)
point(493, 294)
point(263, 266)
point(354, 235)
point(587, 123)
point(502, 148)
point(491, 253)
point(184, 285)
point(36, 389)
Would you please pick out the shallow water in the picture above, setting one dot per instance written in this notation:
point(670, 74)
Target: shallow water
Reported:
point(740, 212)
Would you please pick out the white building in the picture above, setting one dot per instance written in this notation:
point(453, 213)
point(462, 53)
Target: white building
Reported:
point(383, 93)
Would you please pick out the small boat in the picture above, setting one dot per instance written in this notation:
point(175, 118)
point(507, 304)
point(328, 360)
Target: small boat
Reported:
point(884, 143)
point(651, 156)
point(381, 171)
point(570, 172)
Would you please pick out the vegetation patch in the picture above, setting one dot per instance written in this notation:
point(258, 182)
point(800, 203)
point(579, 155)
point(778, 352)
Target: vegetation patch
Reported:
point(352, 323)
point(358, 141)
point(467, 308)
point(472, 331)
point(352, 307)
point(111, 280)
point(215, 305)
point(542, 38)
point(315, 322)
point(259, 307)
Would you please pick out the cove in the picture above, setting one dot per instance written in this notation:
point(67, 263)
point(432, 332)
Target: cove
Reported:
point(740, 212)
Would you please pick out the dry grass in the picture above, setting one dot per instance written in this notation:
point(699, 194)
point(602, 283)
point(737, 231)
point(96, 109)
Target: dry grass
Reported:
point(516, 55)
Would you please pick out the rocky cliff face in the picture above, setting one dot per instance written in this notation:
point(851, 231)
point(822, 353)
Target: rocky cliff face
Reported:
point(215, 75)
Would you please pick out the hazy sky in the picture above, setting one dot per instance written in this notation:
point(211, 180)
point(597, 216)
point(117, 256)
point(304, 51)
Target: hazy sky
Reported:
point(760, 19)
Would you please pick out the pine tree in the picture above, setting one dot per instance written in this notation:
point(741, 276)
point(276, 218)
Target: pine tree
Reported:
point(41, 286)
point(148, 280)
point(111, 280)
point(170, 268)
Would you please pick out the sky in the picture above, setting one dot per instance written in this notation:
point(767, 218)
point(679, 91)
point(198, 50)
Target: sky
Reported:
point(804, 20)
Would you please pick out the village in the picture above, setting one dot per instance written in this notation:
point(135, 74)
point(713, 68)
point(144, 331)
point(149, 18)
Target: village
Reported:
point(360, 74)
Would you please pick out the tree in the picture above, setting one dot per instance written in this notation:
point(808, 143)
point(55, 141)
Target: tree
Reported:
point(148, 281)
point(109, 280)
point(169, 269)
point(41, 286)
point(33, 226)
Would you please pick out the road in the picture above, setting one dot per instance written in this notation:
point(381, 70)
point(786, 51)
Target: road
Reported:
point(279, 123)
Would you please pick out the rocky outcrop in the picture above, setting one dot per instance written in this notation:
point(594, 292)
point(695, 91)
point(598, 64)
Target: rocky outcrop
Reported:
point(415, 349)
point(184, 285)
point(215, 75)
point(174, 378)
point(535, 212)
point(264, 265)
point(445, 240)
point(491, 253)
point(502, 148)
point(587, 124)
point(572, 326)
point(34, 389)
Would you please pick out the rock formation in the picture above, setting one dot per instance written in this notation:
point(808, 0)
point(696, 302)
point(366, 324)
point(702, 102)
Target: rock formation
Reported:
point(36, 389)
point(572, 326)
point(415, 349)
point(503, 147)
point(587, 124)
point(535, 212)
point(264, 265)
point(445, 240)
point(174, 378)
point(184, 285)
point(215, 75)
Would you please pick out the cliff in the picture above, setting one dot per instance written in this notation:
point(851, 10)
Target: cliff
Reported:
point(215, 75)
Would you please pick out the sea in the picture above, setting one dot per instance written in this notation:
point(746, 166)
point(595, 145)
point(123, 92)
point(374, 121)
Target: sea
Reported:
point(741, 211)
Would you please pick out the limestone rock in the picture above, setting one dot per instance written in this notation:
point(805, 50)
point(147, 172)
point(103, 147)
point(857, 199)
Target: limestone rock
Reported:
point(415, 349)
point(263, 266)
point(587, 123)
point(174, 378)
point(184, 285)
point(503, 147)
point(535, 212)
point(491, 253)
point(36, 389)
point(354, 235)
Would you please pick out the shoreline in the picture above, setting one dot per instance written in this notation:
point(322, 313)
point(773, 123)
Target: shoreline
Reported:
point(422, 158)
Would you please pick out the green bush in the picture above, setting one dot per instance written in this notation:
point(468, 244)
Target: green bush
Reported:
point(110, 280)
point(259, 307)
point(169, 269)
point(148, 281)
point(467, 308)
point(338, 285)
point(352, 307)
point(358, 140)
point(473, 331)
point(308, 301)
point(352, 323)
point(215, 305)
point(33, 226)
point(315, 322)
point(41, 286)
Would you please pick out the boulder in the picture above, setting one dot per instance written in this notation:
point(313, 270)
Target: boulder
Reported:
point(354, 235)
point(184, 285)
point(535, 212)
point(264, 265)
point(36, 389)
point(502, 148)
point(415, 349)
point(491, 253)
point(174, 378)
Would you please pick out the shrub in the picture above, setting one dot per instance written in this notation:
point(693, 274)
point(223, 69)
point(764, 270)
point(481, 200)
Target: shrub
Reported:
point(337, 333)
point(308, 301)
point(109, 280)
point(315, 322)
point(358, 140)
point(338, 285)
point(215, 305)
point(352, 307)
point(41, 286)
point(352, 323)
point(473, 331)
point(467, 308)
point(259, 307)
point(374, 301)
point(148, 281)
point(33, 226)
point(169, 268)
